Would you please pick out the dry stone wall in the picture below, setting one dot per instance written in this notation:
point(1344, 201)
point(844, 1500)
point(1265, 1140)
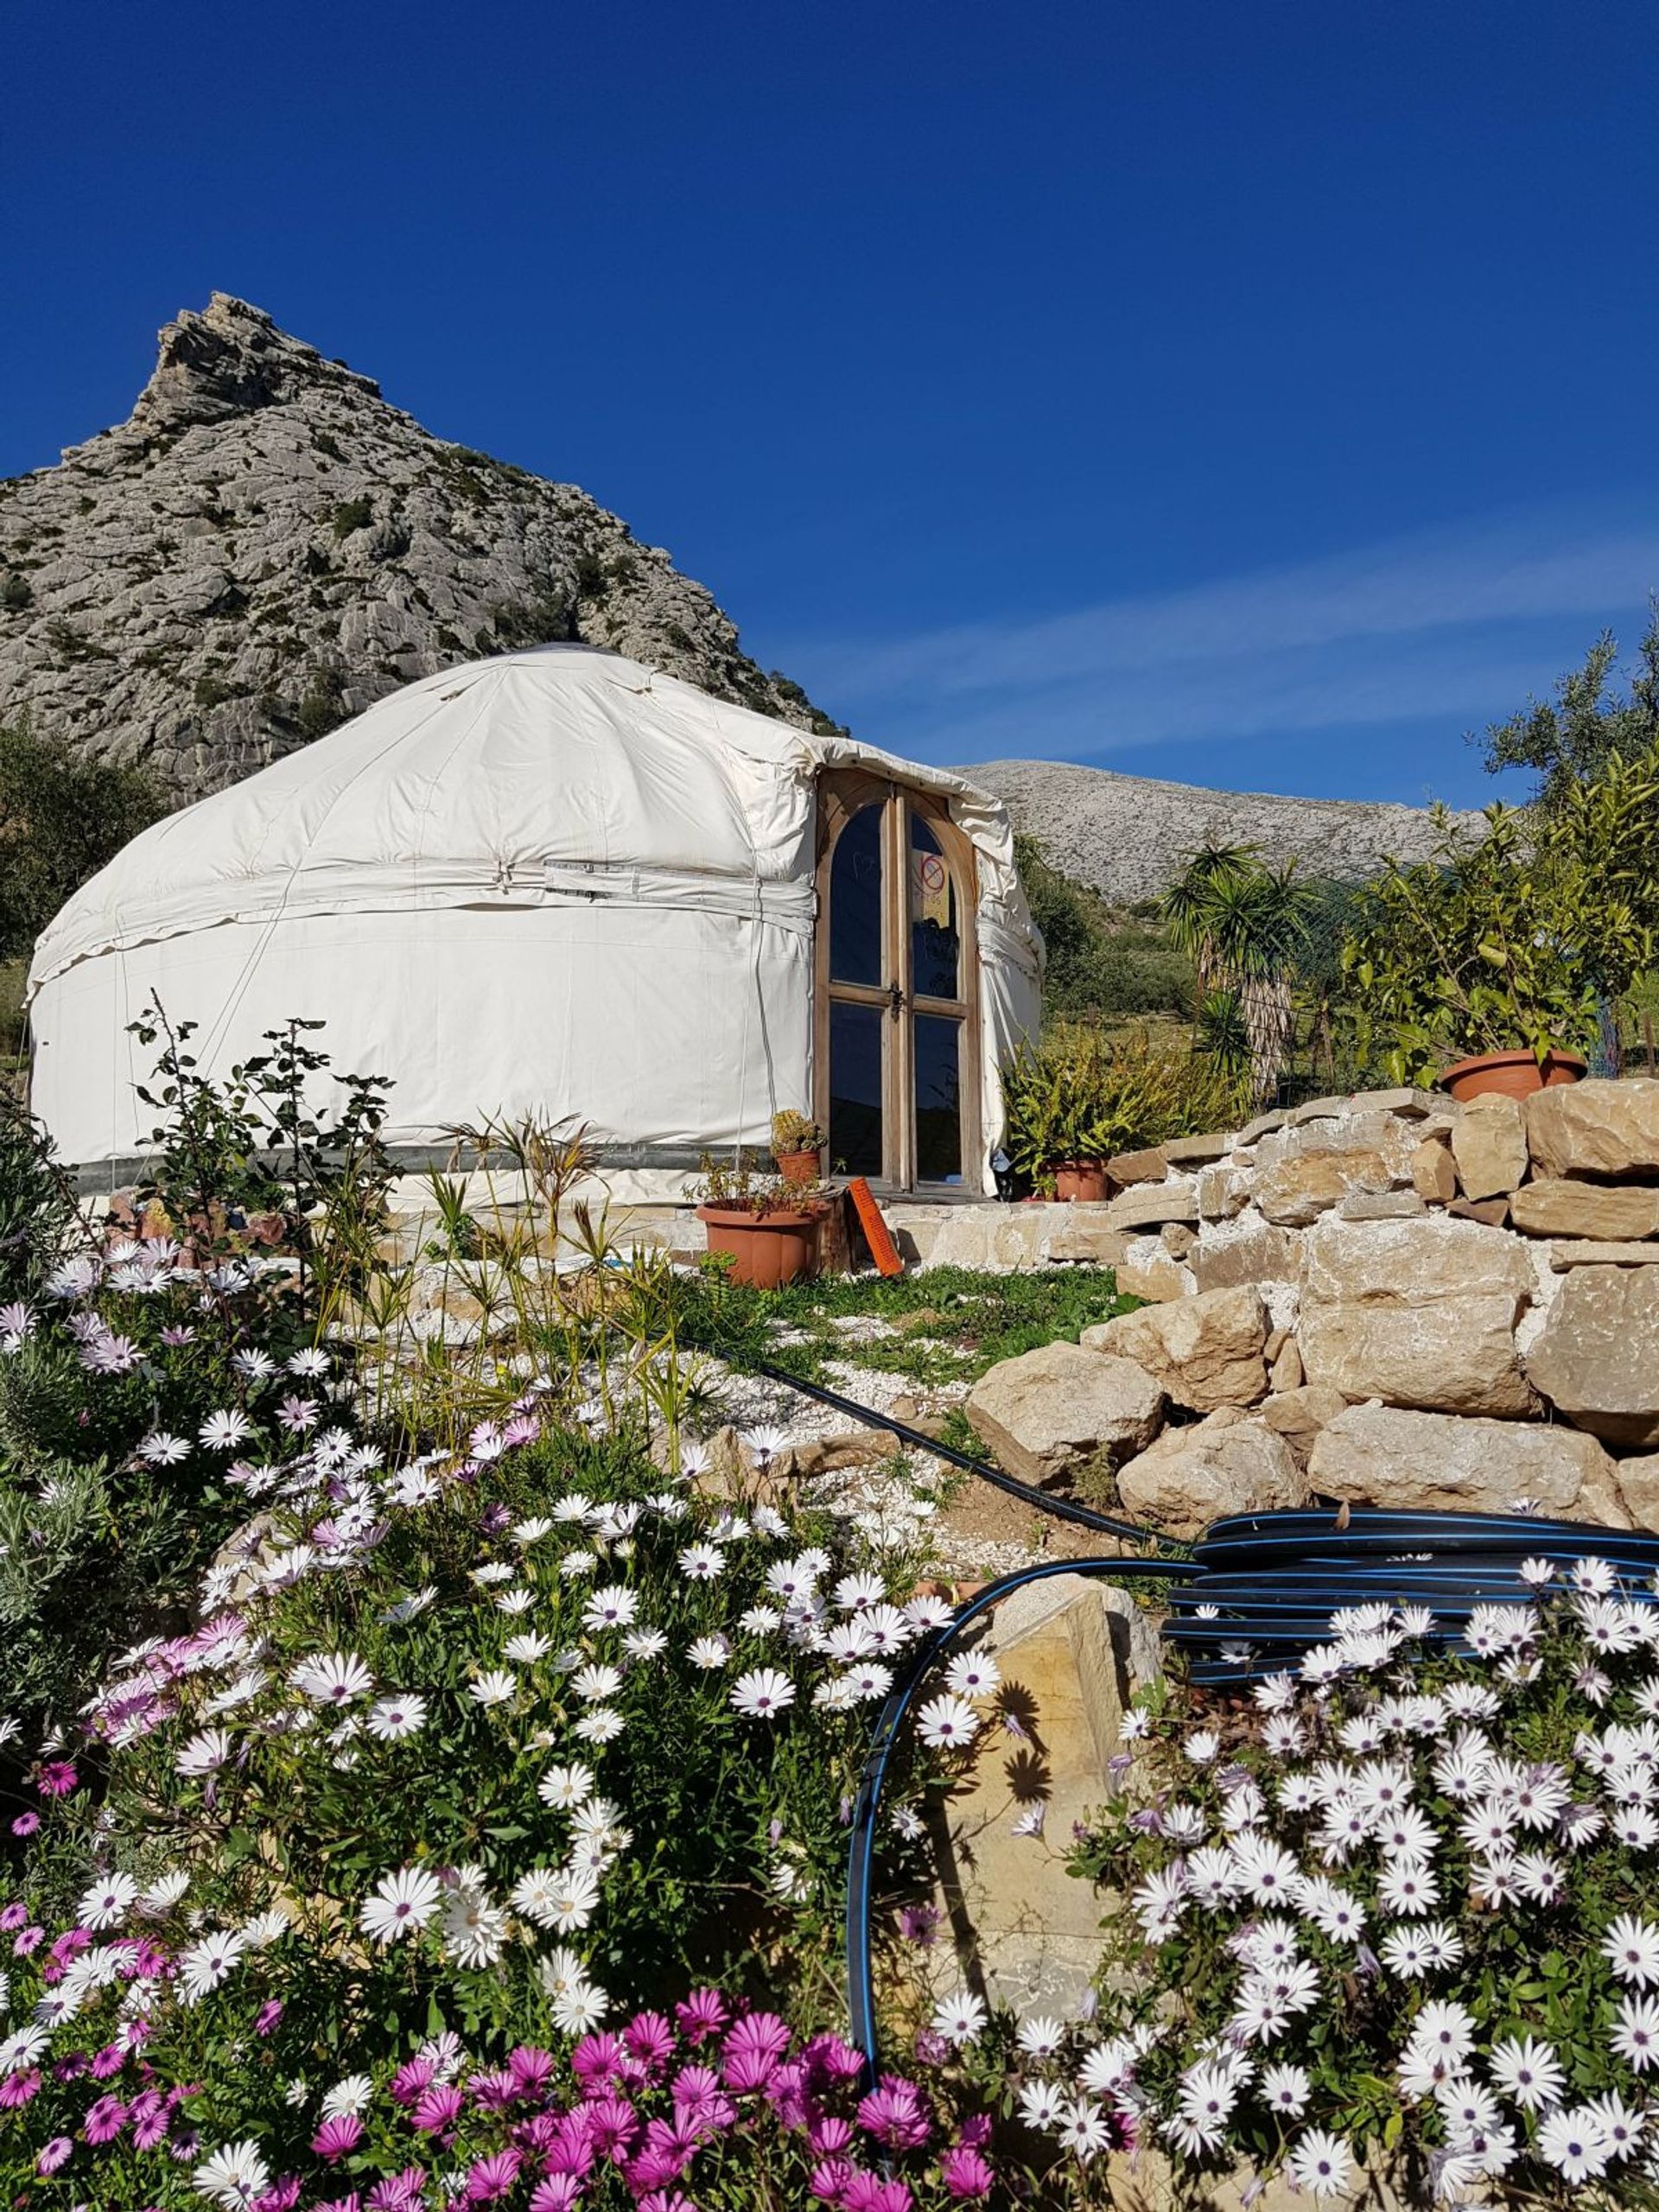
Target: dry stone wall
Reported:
point(1386, 1298)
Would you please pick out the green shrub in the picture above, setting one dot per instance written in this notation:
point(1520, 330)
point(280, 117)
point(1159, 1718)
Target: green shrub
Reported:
point(1512, 939)
point(351, 514)
point(62, 817)
point(1084, 1093)
point(1101, 962)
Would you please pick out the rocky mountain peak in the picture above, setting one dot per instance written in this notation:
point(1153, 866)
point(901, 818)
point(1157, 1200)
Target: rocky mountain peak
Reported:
point(265, 547)
point(229, 360)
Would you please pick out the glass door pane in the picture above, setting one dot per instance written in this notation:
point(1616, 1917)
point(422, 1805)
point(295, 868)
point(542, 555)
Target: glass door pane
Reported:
point(934, 925)
point(855, 1113)
point(855, 901)
point(938, 1054)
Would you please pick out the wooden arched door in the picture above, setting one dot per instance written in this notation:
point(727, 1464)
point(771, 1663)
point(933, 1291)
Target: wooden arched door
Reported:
point(897, 987)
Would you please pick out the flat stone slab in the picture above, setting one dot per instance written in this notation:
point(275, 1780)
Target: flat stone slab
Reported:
point(1587, 1253)
point(1073, 1651)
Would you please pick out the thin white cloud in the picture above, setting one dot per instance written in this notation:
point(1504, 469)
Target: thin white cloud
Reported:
point(1456, 624)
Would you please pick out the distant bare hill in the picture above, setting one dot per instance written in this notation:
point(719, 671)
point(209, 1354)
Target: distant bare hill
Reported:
point(266, 546)
point(1125, 836)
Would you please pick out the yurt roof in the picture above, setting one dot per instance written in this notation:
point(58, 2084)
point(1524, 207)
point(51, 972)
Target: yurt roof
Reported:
point(462, 787)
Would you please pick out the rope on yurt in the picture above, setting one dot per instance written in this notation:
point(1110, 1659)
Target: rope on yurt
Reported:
point(1253, 1593)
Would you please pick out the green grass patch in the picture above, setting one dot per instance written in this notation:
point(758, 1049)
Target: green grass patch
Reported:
point(951, 1323)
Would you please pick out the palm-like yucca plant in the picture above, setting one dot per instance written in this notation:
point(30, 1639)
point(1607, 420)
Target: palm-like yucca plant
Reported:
point(1244, 926)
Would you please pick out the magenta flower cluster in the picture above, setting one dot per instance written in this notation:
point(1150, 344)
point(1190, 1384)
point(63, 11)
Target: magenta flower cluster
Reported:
point(648, 2105)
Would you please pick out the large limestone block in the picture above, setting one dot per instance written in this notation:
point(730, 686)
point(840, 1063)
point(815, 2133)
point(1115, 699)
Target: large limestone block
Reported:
point(1597, 1357)
point(1061, 1412)
point(1616, 1213)
point(1298, 1189)
point(1413, 1263)
point(1148, 1205)
point(1230, 1463)
point(1252, 1252)
point(1073, 1651)
point(1195, 1151)
point(1488, 1143)
point(1418, 1313)
point(1454, 1355)
point(1156, 1279)
point(1638, 1485)
point(1206, 1351)
point(1297, 1415)
point(1377, 1455)
point(1149, 1165)
point(1595, 1129)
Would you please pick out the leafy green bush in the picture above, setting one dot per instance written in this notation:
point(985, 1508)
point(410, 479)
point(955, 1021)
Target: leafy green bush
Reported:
point(1100, 962)
point(62, 818)
point(1082, 1094)
point(1513, 939)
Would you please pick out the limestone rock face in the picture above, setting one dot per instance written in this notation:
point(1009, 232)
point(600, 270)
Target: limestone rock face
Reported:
point(1418, 1313)
point(1062, 1411)
point(1128, 836)
point(1230, 1463)
point(1595, 1129)
point(1206, 1351)
point(1615, 1213)
point(266, 547)
point(1488, 1143)
point(1296, 1191)
point(1597, 1358)
point(1378, 1455)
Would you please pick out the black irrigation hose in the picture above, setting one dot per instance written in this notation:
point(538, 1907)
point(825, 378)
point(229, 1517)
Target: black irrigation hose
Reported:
point(1059, 1508)
point(1252, 1580)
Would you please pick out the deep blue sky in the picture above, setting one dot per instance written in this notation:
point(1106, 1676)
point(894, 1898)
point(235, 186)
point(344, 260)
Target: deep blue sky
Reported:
point(1257, 393)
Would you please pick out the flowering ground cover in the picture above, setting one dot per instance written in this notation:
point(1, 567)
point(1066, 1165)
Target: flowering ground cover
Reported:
point(419, 1791)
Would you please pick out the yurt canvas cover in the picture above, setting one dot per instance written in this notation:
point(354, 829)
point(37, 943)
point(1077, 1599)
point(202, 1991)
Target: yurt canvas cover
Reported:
point(555, 884)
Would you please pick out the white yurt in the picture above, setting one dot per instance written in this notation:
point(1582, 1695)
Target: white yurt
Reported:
point(561, 885)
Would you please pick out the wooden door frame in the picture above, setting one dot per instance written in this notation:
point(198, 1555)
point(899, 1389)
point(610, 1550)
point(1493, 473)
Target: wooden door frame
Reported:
point(842, 793)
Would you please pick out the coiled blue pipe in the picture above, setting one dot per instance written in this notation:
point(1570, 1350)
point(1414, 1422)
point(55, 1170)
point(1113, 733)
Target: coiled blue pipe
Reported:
point(1267, 1581)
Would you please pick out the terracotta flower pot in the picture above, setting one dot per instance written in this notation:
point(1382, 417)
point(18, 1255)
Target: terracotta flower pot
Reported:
point(798, 1167)
point(1082, 1182)
point(767, 1249)
point(1510, 1075)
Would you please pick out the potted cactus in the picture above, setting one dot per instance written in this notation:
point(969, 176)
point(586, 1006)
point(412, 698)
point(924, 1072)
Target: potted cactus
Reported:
point(767, 1228)
point(797, 1147)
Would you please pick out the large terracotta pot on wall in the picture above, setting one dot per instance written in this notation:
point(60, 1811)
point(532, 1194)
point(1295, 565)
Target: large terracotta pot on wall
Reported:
point(767, 1249)
point(1511, 1074)
point(1082, 1182)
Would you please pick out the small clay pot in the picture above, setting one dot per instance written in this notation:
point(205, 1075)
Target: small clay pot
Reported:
point(767, 1249)
point(1082, 1182)
point(1511, 1074)
point(798, 1167)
